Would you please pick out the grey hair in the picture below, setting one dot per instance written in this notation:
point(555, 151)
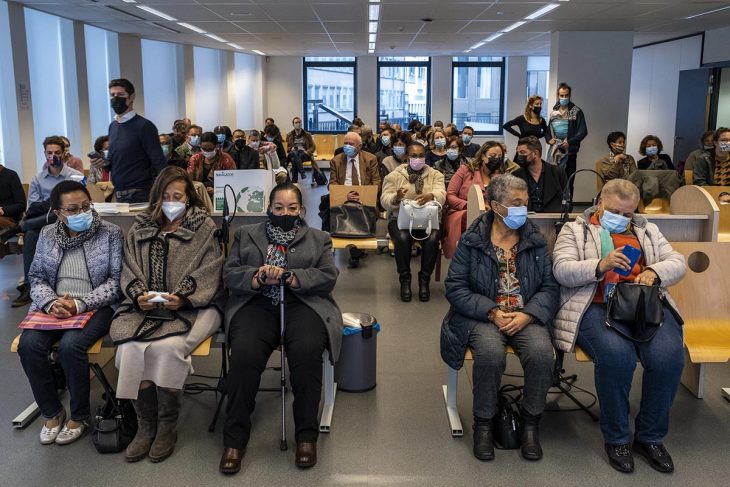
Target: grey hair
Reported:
point(499, 187)
point(355, 134)
point(622, 188)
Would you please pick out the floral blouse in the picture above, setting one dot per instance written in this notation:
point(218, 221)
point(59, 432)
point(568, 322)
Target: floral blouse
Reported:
point(508, 298)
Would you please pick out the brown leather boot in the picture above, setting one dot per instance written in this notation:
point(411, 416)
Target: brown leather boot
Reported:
point(306, 455)
point(168, 410)
point(146, 408)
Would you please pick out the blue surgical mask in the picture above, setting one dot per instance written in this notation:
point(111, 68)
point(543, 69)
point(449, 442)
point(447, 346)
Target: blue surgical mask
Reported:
point(195, 140)
point(516, 216)
point(350, 151)
point(652, 151)
point(270, 139)
point(80, 222)
point(614, 223)
point(385, 139)
point(165, 149)
point(452, 154)
point(399, 150)
point(440, 143)
point(221, 138)
point(565, 102)
point(466, 139)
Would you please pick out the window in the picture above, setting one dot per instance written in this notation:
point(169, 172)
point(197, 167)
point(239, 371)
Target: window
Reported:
point(329, 93)
point(404, 90)
point(210, 83)
point(102, 66)
point(478, 88)
point(538, 74)
point(161, 88)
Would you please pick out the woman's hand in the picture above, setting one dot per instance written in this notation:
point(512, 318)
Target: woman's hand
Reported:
point(424, 198)
point(293, 282)
point(400, 194)
point(647, 277)
point(518, 320)
point(273, 274)
point(143, 302)
point(565, 145)
point(615, 260)
point(497, 316)
point(174, 302)
point(61, 309)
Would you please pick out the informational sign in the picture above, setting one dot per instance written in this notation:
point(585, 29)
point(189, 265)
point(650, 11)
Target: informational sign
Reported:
point(250, 195)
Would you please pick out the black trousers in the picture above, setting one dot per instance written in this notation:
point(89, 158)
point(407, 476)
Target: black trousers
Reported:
point(570, 168)
point(254, 333)
point(402, 241)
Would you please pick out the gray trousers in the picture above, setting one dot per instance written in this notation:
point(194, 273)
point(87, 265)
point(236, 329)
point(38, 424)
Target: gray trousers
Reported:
point(535, 350)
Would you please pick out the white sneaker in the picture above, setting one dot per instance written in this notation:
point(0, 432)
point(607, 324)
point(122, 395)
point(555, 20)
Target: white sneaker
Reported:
point(49, 435)
point(69, 435)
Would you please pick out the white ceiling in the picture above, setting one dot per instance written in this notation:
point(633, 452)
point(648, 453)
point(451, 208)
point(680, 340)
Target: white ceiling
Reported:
point(339, 27)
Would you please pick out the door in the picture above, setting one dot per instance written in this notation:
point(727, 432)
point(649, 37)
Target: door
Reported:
point(691, 112)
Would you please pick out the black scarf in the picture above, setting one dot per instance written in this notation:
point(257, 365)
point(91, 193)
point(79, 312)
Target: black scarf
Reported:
point(416, 177)
point(66, 242)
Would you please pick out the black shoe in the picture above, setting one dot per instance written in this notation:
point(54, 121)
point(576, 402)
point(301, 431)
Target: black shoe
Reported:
point(405, 288)
point(657, 456)
point(483, 441)
point(23, 299)
point(531, 449)
point(620, 457)
point(9, 233)
point(424, 293)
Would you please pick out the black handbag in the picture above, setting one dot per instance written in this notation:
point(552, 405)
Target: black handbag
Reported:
point(507, 425)
point(116, 420)
point(352, 220)
point(638, 308)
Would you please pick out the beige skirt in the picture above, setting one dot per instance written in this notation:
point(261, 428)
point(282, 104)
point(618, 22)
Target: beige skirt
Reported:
point(165, 362)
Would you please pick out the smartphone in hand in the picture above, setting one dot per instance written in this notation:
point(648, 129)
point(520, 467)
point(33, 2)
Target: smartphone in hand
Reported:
point(633, 254)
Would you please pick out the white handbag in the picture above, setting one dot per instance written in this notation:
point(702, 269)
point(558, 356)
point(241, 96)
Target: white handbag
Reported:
point(412, 216)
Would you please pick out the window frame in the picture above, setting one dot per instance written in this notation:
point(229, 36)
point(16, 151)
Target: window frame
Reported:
point(305, 92)
point(482, 64)
point(405, 64)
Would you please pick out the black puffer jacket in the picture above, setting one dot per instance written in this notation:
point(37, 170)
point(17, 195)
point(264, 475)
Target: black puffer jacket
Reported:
point(473, 283)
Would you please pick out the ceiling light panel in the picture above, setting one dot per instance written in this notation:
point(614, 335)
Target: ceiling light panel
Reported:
point(156, 12)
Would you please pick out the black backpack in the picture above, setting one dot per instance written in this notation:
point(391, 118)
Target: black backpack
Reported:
point(116, 420)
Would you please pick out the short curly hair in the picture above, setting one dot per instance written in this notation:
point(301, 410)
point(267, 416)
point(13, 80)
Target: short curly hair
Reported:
point(646, 140)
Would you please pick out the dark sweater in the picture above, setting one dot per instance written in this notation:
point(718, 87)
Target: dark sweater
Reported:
point(135, 154)
point(12, 196)
point(527, 128)
point(645, 162)
point(246, 158)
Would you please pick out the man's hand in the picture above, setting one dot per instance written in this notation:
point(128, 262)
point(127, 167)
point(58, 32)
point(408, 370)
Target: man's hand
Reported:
point(518, 321)
point(2, 211)
point(97, 163)
point(564, 145)
point(353, 196)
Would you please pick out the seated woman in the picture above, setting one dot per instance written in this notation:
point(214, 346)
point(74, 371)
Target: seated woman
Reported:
point(203, 165)
point(488, 162)
point(651, 148)
point(587, 255)
point(419, 182)
point(76, 269)
point(399, 143)
point(260, 256)
point(437, 148)
point(170, 249)
point(619, 165)
point(454, 158)
point(502, 292)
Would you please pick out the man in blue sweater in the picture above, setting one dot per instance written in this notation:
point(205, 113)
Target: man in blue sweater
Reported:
point(135, 156)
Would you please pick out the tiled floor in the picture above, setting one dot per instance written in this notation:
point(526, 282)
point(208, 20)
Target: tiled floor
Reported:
point(396, 434)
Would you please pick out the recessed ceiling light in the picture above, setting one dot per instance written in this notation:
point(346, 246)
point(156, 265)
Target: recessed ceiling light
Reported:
point(477, 45)
point(372, 37)
point(216, 38)
point(542, 11)
point(493, 36)
point(156, 12)
point(372, 27)
point(373, 12)
point(514, 26)
point(371, 45)
point(130, 1)
point(192, 27)
point(258, 52)
point(234, 45)
point(705, 13)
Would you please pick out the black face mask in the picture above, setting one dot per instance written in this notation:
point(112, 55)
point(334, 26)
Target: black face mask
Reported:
point(285, 222)
point(536, 110)
point(240, 144)
point(119, 104)
point(494, 163)
point(521, 160)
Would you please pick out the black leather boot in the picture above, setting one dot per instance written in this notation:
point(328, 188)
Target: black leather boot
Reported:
point(531, 449)
point(483, 439)
point(405, 287)
point(424, 293)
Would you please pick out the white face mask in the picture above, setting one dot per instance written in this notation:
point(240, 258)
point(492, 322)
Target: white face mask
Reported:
point(209, 155)
point(173, 209)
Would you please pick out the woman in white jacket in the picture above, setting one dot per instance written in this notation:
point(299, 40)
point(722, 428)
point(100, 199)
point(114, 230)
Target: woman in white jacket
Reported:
point(586, 255)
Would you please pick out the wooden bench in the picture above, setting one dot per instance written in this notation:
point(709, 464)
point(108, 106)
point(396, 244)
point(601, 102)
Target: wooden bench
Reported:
point(702, 299)
point(724, 210)
point(326, 145)
point(450, 390)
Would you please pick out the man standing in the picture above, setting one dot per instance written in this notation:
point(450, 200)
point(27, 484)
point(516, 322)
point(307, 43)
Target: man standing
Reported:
point(135, 155)
point(565, 112)
point(38, 213)
point(545, 182)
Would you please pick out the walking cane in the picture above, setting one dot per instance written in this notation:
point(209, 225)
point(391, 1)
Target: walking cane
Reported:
point(282, 328)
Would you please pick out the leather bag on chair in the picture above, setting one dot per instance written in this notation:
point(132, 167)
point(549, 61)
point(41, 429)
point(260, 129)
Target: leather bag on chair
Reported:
point(352, 220)
point(412, 216)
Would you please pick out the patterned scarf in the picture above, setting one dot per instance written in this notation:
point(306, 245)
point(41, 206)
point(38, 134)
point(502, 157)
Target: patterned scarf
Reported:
point(416, 177)
point(66, 242)
point(279, 242)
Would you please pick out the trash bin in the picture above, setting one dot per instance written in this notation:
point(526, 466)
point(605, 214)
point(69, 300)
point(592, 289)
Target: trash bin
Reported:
point(355, 370)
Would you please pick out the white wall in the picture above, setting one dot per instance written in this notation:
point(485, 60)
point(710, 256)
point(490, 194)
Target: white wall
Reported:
point(9, 153)
point(441, 94)
point(367, 96)
point(654, 90)
point(210, 88)
point(249, 88)
point(162, 78)
point(515, 99)
point(284, 90)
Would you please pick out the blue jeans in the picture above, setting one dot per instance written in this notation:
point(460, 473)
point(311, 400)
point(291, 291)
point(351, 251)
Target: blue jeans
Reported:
point(72, 345)
point(614, 358)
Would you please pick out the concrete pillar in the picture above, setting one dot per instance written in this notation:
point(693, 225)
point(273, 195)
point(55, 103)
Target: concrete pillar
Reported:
point(597, 65)
point(130, 66)
point(441, 92)
point(84, 143)
point(367, 101)
point(515, 95)
point(189, 76)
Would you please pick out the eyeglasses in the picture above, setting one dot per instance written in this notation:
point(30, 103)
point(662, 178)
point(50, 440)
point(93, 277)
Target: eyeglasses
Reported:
point(75, 210)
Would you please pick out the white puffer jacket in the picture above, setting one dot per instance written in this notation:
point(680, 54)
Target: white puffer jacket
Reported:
point(575, 257)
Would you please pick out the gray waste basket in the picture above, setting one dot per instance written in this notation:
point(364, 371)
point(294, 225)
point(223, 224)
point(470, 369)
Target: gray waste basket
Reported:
point(355, 370)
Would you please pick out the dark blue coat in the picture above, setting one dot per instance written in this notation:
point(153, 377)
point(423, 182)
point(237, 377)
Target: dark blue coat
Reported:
point(473, 283)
